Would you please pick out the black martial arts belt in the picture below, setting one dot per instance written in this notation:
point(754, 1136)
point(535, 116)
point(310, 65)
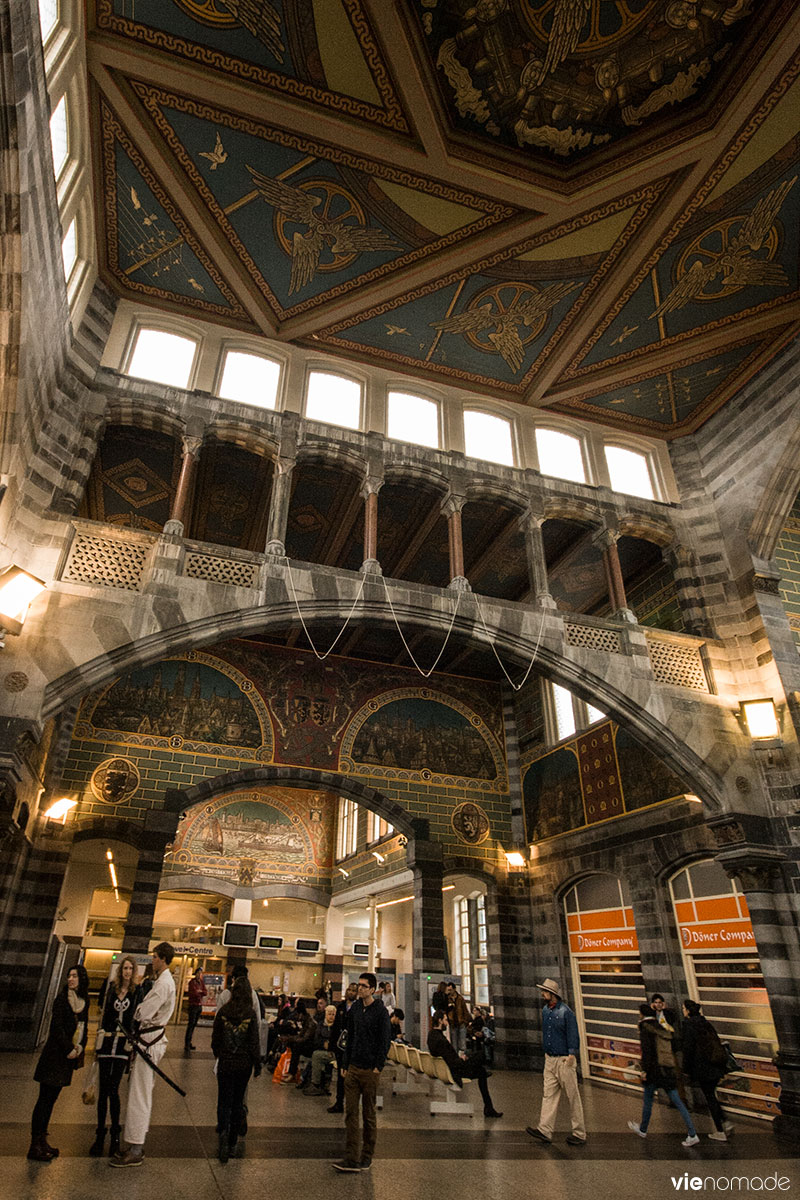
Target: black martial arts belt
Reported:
point(137, 1049)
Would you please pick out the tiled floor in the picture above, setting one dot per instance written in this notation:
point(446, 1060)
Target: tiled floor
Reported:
point(292, 1141)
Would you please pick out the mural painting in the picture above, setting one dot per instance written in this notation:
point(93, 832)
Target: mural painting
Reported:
point(645, 779)
point(552, 795)
point(263, 835)
point(470, 823)
point(115, 780)
point(410, 731)
point(195, 703)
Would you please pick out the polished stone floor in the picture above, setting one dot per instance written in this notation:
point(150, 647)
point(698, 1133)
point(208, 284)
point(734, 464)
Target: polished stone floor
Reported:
point(292, 1141)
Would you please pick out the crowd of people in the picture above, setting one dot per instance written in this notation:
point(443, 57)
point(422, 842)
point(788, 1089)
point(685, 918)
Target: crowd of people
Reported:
point(308, 1043)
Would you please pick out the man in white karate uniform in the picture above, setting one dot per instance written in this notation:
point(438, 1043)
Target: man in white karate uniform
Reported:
point(153, 1016)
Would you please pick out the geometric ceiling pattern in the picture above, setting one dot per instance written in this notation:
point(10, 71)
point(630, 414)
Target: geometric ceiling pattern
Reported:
point(588, 206)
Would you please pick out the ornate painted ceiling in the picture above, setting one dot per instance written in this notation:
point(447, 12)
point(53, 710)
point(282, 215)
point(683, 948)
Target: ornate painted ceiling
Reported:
point(589, 206)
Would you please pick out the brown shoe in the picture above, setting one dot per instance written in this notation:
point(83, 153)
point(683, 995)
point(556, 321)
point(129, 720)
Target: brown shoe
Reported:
point(126, 1159)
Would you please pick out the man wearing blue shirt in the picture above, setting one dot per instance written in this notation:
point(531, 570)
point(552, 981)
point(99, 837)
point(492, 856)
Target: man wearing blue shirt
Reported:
point(561, 1043)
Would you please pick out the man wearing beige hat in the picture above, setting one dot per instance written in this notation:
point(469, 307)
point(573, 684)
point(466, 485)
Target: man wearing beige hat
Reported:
point(560, 1042)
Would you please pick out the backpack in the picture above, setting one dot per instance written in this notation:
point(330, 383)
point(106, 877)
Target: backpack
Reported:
point(665, 1055)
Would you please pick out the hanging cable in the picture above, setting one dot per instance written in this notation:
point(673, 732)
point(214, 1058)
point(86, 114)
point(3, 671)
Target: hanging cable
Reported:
point(424, 674)
point(322, 657)
point(516, 686)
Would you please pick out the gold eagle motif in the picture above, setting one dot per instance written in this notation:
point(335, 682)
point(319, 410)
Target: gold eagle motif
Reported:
point(569, 18)
point(504, 336)
point(217, 156)
point(296, 205)
point(734, 263)
point(262, 19)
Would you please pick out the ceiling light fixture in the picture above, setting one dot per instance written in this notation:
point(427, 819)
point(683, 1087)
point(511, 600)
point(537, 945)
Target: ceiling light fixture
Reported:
point(380, 857)
point(389, 903)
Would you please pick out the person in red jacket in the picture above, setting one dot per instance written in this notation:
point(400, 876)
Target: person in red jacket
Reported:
point(197, 990)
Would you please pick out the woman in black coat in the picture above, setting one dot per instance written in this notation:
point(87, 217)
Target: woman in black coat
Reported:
point(704, 1061)
point(61, 1055)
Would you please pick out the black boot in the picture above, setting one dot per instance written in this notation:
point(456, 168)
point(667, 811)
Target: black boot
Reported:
point(113, 1149)
point(96, 1148)
point(38, 1151)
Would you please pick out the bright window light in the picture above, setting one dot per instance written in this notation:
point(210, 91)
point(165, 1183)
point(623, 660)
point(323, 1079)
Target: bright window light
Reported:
point(69, 250)
point(488, 437)
point(48, 17)
point(629, 472)
point(565, 713)
point(413, 419)
point(333, 399)
point(560, 455)
point(250, 378)
point(594, 714)
point(163, 357)
point(59, 139)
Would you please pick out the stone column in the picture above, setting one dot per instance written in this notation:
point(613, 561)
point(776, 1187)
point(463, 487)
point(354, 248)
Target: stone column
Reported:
point(531, 527)
point(607, 540)
point(685, 571)
point(279, 507)
point(178, 517)
point(426, 860)
point(452, 509)
point(761, 875)
point(372, 485)
point(512, 971)
point(159, 830)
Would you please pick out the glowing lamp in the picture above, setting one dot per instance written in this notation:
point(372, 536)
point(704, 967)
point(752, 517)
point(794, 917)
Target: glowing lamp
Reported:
point(59, 809)
point(515, 858)
point(760, 718)
point(18, 590)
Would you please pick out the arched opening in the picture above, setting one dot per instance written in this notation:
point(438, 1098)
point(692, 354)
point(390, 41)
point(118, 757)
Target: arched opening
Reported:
point(576, 575)
point(133, 478)
point(650, 587)
point(326, 516)
point(412, 532)
point(495, 561)
point(231, 497)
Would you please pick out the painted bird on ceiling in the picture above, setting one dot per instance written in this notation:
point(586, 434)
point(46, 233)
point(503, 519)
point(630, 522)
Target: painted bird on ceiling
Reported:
point(569, 18)
point(340, 238)
point(504, 336)
point(735, 262)
point(262, 19)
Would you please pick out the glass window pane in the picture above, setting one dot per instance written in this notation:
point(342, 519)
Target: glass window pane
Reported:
point(565, 714)
point(59, 139)
point(488, 437)
point(69, 250)
point(594, 714)
point(560, 455)
point(413, 419)
point(629, 472)
point(250, 379)
point(163, 357)
point(332, 399)
point(48, 17)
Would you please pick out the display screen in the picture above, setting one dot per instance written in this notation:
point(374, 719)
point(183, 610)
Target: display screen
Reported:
point(240, 933)
point(269, 942)
point(310, 945)
point(361, 949)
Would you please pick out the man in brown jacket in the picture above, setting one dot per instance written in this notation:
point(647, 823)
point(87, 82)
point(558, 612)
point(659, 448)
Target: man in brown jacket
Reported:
point(457, 1017)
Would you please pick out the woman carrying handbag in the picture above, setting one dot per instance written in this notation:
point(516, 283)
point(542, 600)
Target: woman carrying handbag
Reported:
point(705, 1062)
point(112, 1050)
point(61, 1055)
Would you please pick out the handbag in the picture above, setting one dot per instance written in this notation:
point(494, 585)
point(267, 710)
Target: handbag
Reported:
point(282, 1070)
point(89, 1093)
point(731, 1063)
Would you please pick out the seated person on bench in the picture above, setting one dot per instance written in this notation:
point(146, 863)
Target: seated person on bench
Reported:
point(460, 1069)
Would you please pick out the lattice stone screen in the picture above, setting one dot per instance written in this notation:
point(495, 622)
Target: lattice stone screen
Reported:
point(221, 570)
point(679, 665)
point(106, 562)
point(593, 638)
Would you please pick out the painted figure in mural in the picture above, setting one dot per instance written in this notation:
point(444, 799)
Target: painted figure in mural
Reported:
point(418, 734)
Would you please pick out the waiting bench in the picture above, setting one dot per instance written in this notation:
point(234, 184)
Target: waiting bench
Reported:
point(422, 1066)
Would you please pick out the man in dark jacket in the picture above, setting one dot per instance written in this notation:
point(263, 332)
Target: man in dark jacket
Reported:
point(342, 1009)
point(460, 1069)
point(369, 1035)
point(659, 1070)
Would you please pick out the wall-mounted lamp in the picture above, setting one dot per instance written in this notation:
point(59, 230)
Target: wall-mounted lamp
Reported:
point(18, 590)
point(515, 858)
point(59, 809)
point(380, 857)
point(265, 903)
point(343, 872)
point(760, 719)
point(449, 887)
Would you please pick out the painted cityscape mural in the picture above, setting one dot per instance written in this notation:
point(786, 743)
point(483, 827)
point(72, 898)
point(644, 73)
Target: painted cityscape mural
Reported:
point(421, 734)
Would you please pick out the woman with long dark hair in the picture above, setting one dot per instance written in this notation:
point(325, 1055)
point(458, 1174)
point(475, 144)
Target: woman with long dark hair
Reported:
point(62, 1054)
point(704, 1061)
point(236, 1045)
point(112, 1050)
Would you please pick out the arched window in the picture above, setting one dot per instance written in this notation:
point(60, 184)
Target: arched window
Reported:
point(48, 17)
point(333, 399)
point(250, 379)
point(377, 828)
point(564, 712)
point(488, 437)
point(69, 249)
point(462, 947)
point(347, 828)
point(560, 455)
point(59, 137)
point(629, 472)
point(163, 357)
point(413, 419)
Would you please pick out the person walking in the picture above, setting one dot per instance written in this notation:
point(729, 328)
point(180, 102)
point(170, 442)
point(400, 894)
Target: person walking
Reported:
point(460, 1069)
point(339, 1027)
point(659, 1070)
point(62, 1055)
point(704, 1062)
point(457, 1017)
point(196, 990)
point(152, 1016)
point(561, 1043)
point(112, 1050)
point(368, 1038)
point(236, 1046)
